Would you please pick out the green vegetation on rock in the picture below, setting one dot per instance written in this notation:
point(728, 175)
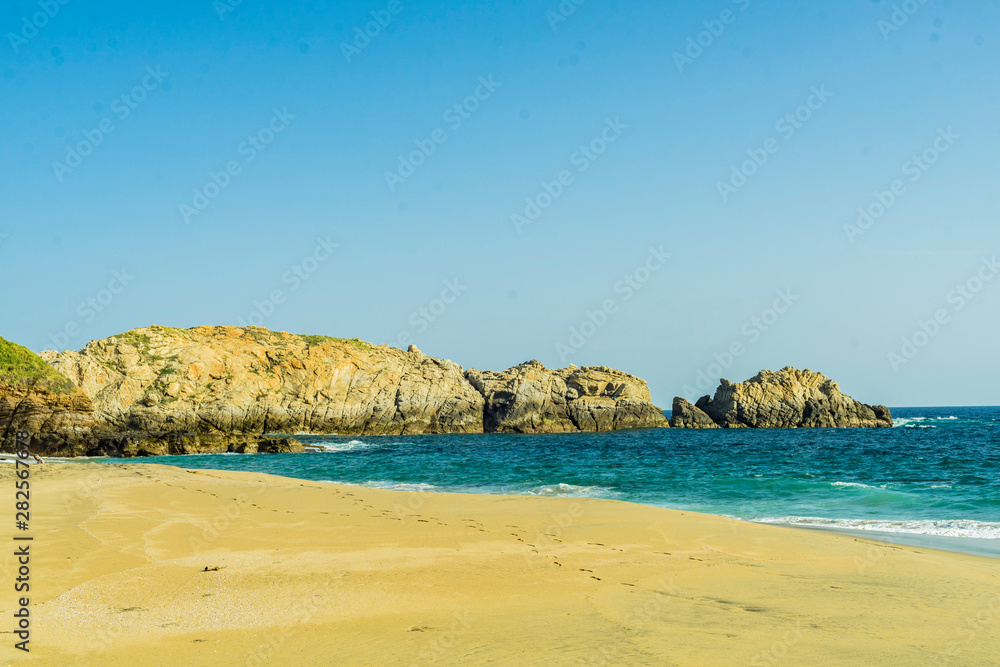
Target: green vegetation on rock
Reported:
point(356, 343)
point(19, 365)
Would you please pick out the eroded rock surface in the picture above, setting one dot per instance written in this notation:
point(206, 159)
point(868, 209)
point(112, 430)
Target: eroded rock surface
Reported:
point(790, 398)
point(36, 398)
point(685, 415)
point(233, 380)
point(530, 398)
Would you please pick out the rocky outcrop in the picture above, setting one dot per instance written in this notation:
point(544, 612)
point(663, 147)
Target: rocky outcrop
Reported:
point(171, 443)
point(232, 380)
point(209, 383)
point(789, 398)
point(685, 415)
point(530, 398)
point(160, 390)
point(37, 398)
point(60, 419)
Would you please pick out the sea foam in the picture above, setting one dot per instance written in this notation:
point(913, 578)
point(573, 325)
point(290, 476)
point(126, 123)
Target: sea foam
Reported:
point(939, 527)
point(571, 490)
point(343, 446)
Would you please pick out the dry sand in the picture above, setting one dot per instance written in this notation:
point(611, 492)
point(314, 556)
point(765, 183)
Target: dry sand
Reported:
point(312, 573)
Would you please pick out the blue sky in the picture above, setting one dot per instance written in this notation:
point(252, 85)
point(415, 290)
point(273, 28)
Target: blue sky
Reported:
point(270, 163)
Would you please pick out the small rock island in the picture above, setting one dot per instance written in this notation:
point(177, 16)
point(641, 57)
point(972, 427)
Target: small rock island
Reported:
point(789, 398)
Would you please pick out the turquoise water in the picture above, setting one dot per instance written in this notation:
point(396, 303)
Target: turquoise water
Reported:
point(933, 480)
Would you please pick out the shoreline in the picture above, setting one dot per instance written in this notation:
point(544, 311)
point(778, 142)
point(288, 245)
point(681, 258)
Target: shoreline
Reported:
point(976, 546)
point(313, 572)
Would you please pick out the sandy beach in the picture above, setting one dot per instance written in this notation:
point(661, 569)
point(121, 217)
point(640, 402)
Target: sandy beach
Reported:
point(313, 573)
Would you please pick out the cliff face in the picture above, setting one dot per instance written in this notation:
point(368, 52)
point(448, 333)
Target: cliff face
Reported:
point(37, 398)
point(789, 398)
point(530, 398)
point(250, 380)
point(62, 421)
point(160, 390)
point(226, 381)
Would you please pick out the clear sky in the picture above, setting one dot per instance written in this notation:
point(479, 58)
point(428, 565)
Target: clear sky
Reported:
point(671, 181)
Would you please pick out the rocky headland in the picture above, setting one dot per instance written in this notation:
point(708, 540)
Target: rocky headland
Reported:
point(63, 420)
point(160, 390)
point(788, 398)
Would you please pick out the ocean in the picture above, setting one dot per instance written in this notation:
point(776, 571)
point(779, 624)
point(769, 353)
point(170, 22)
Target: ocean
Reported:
point(932, 480)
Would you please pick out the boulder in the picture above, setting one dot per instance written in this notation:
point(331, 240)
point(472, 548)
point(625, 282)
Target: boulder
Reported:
point(686, 415)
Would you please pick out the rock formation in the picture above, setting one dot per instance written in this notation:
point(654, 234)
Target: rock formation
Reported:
point(159, 390)
point(530, 398)
point(61, 419)
point(37, 398)
point(686, 415)
point(789, 398)
point(250, 380)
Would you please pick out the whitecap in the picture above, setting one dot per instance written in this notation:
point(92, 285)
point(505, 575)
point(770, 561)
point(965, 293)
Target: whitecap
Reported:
point(854, 484)
point(939, 527)
point(571, 490)
point(917, 422)
point(418, 487)
point(342, 446)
